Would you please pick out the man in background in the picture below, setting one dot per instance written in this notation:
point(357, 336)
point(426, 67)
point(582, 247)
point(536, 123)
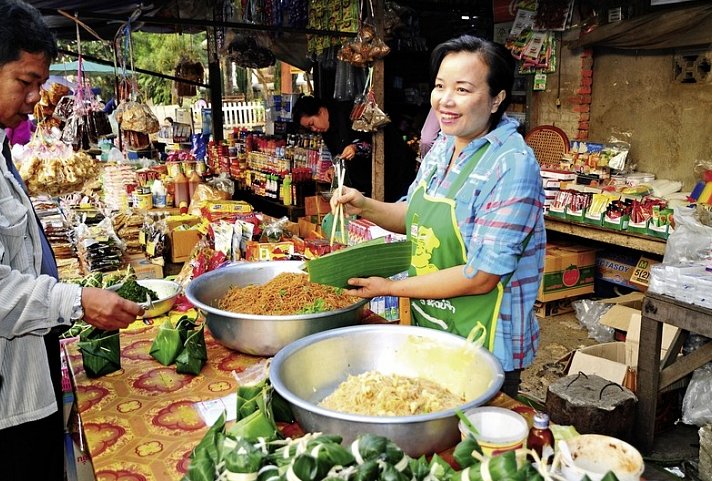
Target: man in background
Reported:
point(34, 306)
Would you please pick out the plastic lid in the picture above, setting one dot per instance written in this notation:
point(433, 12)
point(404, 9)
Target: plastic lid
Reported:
point(541, 420)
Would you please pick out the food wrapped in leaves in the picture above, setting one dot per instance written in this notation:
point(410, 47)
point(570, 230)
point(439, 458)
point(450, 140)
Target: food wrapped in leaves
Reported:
point(244, 459)
point(101, 351)
point(169, 341)
point(192, 359)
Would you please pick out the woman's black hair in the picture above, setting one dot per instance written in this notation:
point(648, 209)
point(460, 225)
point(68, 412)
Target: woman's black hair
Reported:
point(23, 29)
point(306, 106)
point(496, 56)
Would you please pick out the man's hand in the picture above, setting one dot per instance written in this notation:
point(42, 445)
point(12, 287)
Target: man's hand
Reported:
point(107, 310)
point(349, 152)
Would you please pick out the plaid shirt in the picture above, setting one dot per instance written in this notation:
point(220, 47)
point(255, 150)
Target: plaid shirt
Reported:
point(499, 205)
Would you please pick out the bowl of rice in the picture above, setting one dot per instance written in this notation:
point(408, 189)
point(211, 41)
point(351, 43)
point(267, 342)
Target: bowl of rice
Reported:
point(401, 382)
point(260, 307)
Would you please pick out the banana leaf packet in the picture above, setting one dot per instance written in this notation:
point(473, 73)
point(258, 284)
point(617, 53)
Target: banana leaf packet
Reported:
point(194, 354)
point(170, 340)
point(101, 351)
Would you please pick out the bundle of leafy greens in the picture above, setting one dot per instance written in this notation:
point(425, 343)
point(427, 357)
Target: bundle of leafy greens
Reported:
point(133, 291)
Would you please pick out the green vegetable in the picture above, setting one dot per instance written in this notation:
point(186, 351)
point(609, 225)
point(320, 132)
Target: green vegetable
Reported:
point(317, 306)
point(463, 452)
point(133, 291)
point(372, 258)
point(466, 421)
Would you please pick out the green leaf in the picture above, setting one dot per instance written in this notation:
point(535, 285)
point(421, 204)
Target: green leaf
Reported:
point(167, 345)
point(366, 471)
point(372, 258)
point(305, 468)
point(463, 452)
point(256, 425)
point(101, 351)
point(192, 359)
point(243, 458)
point(610, 476)
point(281, 410)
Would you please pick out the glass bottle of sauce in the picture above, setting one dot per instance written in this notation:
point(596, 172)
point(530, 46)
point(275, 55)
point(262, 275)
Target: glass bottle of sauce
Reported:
point(541, 439)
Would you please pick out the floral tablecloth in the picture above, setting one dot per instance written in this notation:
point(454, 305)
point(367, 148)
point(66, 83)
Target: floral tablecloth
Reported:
point(139, 422)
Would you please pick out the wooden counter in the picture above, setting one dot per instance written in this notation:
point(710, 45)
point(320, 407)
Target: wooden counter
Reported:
point(638, 242)
point(655, 375)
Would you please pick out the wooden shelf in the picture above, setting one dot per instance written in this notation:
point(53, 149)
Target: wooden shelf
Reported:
point(630, 240)
point(269, 206)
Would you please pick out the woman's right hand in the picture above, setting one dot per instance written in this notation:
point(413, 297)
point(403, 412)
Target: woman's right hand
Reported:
point(354, 201)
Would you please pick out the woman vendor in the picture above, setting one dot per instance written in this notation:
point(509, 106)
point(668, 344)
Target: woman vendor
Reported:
point(332, 121)
point(474, 213)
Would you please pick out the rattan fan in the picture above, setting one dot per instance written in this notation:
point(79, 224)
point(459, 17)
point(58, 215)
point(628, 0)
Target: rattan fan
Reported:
point(549, 144)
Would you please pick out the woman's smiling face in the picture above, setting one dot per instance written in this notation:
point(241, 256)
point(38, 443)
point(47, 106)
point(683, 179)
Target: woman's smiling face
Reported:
point(461, 97)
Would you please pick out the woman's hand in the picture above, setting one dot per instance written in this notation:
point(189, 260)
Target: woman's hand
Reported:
point(353, 201)
point(369, 287)
point(349, 152)
point(107, 310)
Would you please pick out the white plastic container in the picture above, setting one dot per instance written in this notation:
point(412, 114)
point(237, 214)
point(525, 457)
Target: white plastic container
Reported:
point(499, 429)
point(158, 192)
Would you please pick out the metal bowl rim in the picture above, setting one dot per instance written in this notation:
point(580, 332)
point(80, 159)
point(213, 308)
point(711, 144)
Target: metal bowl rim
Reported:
point(299, 344)
point(190, 294)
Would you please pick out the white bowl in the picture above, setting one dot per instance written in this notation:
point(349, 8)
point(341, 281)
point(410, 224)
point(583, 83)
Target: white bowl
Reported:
point(167, 292)
point(594, 455)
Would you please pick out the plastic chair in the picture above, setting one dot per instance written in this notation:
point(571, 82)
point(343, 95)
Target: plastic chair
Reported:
point(549, 143)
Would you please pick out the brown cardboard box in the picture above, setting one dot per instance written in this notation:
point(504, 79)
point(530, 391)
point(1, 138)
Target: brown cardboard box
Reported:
point(268, 251)
point(568, 271)
point(145, 269)
point(316, 205)
point(182, 243)
point(174, 221)
point(641, 274)
point(306, 227)
point(554, 308)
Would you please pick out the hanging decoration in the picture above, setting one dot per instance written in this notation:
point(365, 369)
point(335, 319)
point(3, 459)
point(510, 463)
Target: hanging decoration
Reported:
point(136, 119)
point(366, 115)
point(188, 69)
point(243, 48)
point(367, 47)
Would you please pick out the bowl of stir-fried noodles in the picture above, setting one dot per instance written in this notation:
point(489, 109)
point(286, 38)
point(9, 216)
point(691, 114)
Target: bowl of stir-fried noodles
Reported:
point(401, 382)
point(259, 307)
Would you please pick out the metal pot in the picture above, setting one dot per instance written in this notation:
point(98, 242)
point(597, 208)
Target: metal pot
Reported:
point(308, 370)
point(260, 335)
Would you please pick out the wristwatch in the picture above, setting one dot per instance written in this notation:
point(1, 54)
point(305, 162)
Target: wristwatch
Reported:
point(77, 309)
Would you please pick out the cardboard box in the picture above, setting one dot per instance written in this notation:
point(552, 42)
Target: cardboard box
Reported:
point(173, 221)
point(268, 251)
point(568, 271)
point(641, 274)
point(316, 205)
point(616, 268)
point(306, 227)
point(145, 269)
point(616, 361)
point(182, 243)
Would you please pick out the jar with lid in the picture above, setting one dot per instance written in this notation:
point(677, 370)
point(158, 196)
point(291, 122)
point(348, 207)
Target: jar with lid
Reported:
point(541, 438)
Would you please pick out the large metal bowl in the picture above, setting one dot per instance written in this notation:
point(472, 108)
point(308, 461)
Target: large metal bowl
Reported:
point(260, 334)
point(308, 370)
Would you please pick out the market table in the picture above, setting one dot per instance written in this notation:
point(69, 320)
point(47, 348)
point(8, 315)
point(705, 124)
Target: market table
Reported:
point(658, 310)
point(139, 423)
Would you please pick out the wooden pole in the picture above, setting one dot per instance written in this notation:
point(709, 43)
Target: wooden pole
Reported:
point(377, 161)
point(215, 77)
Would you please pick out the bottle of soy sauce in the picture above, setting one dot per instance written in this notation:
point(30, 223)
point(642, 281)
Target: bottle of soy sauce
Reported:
point(541, 439)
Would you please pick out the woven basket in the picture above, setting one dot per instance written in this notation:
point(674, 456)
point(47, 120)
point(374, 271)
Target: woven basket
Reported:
point(549, 143)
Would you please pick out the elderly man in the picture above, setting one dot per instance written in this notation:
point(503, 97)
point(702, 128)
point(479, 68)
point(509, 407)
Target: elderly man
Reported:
point(34, 306)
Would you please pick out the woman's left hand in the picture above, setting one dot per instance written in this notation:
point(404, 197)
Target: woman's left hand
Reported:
point(369, 287)
point(349, 152)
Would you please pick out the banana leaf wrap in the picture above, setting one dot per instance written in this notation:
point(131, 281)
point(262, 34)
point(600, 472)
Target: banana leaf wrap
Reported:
point(463, 452)
point(256, 425)
point(269, 472)
point(371, 446)
point(325, 447)
point(194, 355)
point(280, 409)
point(207, 454)
point(419, 468)
point(390, 473)
point(503, 466)
point(306, 468)
point(244, 459)
point(168, 343)
point(101, 351)
point(366, 471)
point(609, 476)
point(247, 397)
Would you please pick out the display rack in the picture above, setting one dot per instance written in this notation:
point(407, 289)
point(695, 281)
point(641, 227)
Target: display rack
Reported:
point(638, 242)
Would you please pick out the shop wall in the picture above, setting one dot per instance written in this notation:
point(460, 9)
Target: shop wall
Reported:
point(635, 98)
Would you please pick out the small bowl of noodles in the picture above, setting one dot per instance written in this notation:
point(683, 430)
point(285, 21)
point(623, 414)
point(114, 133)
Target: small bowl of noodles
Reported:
point(260, 307)
point(402, 382)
